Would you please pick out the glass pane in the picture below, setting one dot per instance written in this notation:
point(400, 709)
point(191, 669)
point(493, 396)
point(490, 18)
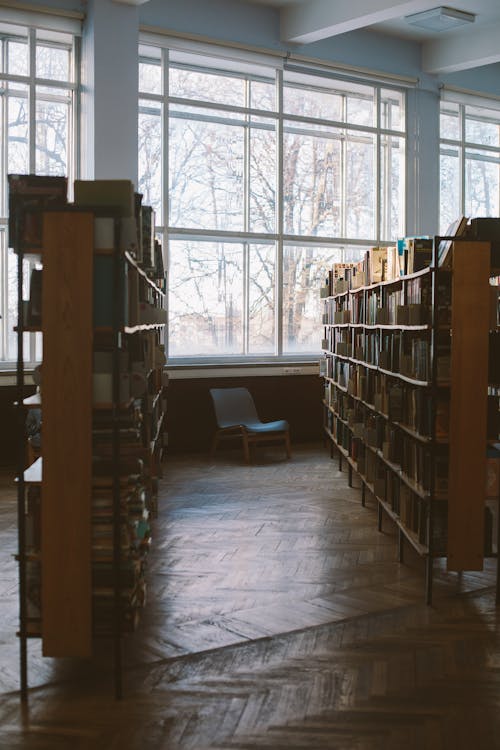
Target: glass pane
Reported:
point(311, 185)
point(262, 180)
point(18, 152)
point(261, 299)
point(392, 114)
point(51, 138)
point(449, 189)
point(360, 186)
point(392, 197)
point(361, 109)
point(52, 62)
point(206, 175)
point(304, 270)
point(481, 184)
point(150, 79)
point(306, 101)
point(150, 158)
point(17, 57)
point(263, 95)
point(207, 86)
point(482, 126)
point(11, 321)
point(449, 122)
point(205, 298)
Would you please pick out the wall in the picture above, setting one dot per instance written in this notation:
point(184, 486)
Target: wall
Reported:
point(190, 417)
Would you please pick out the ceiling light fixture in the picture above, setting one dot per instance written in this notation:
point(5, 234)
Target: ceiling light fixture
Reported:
point(440, 19)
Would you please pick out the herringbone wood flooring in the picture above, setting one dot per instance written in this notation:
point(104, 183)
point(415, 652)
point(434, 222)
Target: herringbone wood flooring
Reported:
point(278, 617)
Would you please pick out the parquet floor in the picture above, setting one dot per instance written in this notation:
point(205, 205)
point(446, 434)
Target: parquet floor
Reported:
point(277, 617)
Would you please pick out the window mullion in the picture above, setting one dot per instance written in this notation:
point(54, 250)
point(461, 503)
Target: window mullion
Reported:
point(246, 223)
point(379, 204)
point(462, 159)
point(165, 67)
point(279, 218)
point(32, 100)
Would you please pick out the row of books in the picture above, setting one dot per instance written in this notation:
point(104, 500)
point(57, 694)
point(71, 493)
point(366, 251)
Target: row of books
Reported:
point(379, 264)
point(411, 408)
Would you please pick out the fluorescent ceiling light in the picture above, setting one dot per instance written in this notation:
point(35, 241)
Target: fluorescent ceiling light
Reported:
point(440, 19)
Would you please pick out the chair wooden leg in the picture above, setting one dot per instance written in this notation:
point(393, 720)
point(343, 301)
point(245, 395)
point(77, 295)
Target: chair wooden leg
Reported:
point(288, 447)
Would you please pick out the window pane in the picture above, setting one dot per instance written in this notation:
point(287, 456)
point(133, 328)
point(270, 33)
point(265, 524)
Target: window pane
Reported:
point(206, 174)
point(304, 270)
point(207, 86)
point(262, 180)
point(17, 57)
point(150, 80)
point(481, 184)
point(449, 188)
point(361, 109)
point(263, 95)
point(306, 101)
point(311, 184)
point(392, 115)
point(482, 126)
point(51, 138)
point(205, 298)
point(449, 122)
point(52, 62)
point(11, 321)
point(261, 299)
point(150, 156)
point(360, 187)
point(18, 153)
point(392, 198)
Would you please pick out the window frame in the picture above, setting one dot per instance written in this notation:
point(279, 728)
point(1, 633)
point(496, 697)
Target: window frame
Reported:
point(449, 146)
point(380, 139)
point(66, 92)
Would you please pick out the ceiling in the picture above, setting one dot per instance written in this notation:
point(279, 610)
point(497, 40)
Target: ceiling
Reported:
point(468, 46)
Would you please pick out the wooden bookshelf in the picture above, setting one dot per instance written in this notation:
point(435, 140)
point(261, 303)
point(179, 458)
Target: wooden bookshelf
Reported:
point(67, 445)
point(405, 369)
point(84, 508)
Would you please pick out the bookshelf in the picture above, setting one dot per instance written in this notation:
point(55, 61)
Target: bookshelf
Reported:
point(406, 371)
point(85, 505)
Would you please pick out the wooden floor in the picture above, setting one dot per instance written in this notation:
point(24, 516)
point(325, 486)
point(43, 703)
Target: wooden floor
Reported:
point(278, 617)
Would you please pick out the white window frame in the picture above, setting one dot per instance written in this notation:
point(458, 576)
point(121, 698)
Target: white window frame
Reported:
point(30, 27)
point(169, 232)
point(462, 98)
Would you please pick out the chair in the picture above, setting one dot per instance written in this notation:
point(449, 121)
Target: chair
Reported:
point(237, 416)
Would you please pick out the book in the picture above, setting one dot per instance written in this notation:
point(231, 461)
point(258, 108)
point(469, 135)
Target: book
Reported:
point(29, 196)
point(419, 253)
point(377, 264)
point(117, 194)
point(456, 229)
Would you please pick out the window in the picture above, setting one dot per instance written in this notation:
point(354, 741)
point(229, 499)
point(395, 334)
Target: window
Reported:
point(37, 133)
point(469, 161)
point(261, 178)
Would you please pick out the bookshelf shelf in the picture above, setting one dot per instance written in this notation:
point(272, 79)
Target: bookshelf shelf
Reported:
point(405, 370)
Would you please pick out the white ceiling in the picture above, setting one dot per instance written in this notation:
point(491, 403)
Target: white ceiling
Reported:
point(470, 46)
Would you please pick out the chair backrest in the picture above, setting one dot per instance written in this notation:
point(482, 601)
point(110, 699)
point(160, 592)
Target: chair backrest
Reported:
point(233, 406)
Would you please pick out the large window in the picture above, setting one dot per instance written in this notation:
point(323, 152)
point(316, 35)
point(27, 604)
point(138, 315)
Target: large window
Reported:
point(261, 178)
point(469, 161)
point(37, 135)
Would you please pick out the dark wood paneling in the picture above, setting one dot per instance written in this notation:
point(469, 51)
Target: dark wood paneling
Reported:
point(190, 416)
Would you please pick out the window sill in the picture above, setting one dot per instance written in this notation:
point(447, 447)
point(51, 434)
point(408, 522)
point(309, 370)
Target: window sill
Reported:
point(230, 370)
